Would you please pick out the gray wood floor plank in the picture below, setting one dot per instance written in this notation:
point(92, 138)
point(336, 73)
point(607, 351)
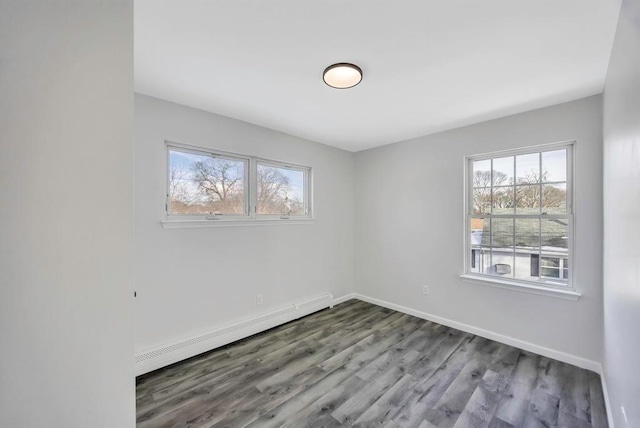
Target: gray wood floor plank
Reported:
point(598, 410)
point(438, 343)
point(321, 409)
point(363, 365)
point(207, 392)
point(235, 361)
point(293, 378)
point(454, 400)
point(422, 396)
point(289, 409)
point(575, 397)
point(377, 384)
point(289, 332)
point(514, 404)
point(345, 363)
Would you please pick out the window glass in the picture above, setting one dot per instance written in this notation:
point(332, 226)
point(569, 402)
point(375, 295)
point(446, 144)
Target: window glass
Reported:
point(503, 171)
point(527, 244)
point(554, 198)
point(216, 186)
point(528, 199)
point(519, 216)
point(554, 166)
point(528, 168)
point(281, 190)
point(502, 256)
point(200, 183)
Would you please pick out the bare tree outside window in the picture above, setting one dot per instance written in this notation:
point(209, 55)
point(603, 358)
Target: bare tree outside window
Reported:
point(552, 197)
point(280, 191)
point(202, 184)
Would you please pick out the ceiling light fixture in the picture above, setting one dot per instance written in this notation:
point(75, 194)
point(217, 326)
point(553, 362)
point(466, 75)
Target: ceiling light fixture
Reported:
point(342, 75)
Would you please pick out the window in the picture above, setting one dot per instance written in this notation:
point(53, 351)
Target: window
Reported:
point(281, 189)
point(519, 216)
point(206, 185)
point(202, 183)
point(550, 267)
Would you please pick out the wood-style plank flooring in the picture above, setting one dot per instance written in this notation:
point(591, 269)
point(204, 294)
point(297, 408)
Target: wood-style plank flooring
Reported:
point(363, 365)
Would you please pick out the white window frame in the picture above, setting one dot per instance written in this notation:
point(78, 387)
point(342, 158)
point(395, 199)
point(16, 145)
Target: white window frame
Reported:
point(214, 154)
point(544, 286)
point(250, 217)
point(306, 193)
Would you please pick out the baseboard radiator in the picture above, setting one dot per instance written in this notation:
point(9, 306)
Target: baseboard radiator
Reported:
point(167, 354)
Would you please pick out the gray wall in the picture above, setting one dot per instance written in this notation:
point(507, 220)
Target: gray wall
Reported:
point(192, 280)
point(66, 214)
point(409, 228)
point(622, 218)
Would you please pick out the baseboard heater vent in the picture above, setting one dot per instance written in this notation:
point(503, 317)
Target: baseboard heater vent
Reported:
point(165, 355)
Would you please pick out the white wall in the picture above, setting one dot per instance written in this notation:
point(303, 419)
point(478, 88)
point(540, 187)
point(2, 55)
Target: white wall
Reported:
point(192, 280)
point(622, 218)
point(66, 214)
point(409, 228)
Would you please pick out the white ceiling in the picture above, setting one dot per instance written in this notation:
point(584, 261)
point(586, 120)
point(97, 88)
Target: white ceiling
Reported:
point(428, 66)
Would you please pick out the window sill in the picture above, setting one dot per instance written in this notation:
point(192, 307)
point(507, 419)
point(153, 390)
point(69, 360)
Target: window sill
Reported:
point(526, 288)
point(188, 224)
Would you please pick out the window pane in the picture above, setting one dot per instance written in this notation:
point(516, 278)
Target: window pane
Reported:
point(503, 171)
point(550, 272)
point(482, 173)
point(281, 191)
point(480, 257)
point(554, 166)
point(503, 200)
point(527, 242)
point(502, 247)
point(528, 168)
point(528, 199)
point(528, 234)
point(554, 198)
point(555, 246)
point(554, 236)
point(202, 184)
point(482, 200)
point(480, 229)
point(550, 262)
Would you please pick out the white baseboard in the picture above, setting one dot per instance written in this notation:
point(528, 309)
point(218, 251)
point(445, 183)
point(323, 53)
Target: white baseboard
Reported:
point(164, 355)
point(344, 298)
point(508, 340)
point(605, 393)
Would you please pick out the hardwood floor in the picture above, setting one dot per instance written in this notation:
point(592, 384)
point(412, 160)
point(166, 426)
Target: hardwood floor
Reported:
point(363, 365)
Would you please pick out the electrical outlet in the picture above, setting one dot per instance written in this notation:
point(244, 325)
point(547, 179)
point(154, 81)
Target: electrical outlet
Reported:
point(624, 414)
point(258, 299)
point(425, 290)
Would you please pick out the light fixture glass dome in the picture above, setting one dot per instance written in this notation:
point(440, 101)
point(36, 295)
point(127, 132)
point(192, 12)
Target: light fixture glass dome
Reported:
point(342, 75)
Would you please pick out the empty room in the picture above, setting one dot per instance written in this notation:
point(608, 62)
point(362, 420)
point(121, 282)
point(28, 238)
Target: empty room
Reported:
point(248, 213)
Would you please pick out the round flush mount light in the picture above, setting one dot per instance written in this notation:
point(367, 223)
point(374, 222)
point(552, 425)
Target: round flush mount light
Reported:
point(342, 75)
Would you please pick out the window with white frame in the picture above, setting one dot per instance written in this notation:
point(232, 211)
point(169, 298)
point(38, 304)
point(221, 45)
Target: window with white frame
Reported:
point(519, 218)
point(281, 189)
point(211, 185)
